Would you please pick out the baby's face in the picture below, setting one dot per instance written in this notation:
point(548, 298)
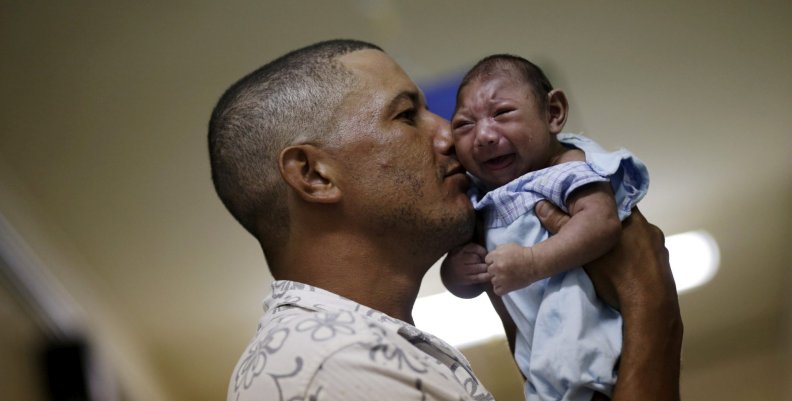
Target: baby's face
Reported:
point(499, 131)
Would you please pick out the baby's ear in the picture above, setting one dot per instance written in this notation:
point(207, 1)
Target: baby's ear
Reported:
point(557, 110)
point(308, 170)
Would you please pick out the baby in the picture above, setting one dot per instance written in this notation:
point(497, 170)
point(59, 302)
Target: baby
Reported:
point(507, 132)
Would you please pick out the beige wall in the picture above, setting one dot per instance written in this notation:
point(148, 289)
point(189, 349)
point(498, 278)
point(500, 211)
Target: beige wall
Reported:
point(761, 374)
point(75, 304)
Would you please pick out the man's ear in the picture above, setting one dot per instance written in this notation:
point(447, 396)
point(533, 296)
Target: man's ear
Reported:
point(557, 110)
point(309, 172)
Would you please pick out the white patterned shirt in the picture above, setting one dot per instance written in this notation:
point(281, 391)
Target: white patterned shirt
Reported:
point(312, 344)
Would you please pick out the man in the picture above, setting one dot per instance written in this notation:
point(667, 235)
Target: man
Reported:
point(330, 158)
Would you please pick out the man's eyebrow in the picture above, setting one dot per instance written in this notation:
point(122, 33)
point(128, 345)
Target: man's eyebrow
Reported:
point(407, 95)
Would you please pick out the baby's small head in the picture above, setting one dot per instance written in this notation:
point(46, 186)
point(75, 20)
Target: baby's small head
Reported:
point(506, 119)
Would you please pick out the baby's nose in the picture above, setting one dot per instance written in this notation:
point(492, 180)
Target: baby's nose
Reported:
point(485, 135)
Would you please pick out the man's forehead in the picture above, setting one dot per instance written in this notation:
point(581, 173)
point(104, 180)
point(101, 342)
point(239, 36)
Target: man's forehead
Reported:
point(377, 69)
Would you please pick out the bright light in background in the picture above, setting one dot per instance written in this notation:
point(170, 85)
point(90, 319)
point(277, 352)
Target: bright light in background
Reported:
point(460, 322)
point(694, 258)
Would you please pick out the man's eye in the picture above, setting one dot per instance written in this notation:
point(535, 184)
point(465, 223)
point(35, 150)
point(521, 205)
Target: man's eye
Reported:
point(408, 115)
point(500, 112)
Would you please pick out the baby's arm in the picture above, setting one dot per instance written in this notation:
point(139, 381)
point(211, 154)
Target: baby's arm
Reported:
point(592, 230)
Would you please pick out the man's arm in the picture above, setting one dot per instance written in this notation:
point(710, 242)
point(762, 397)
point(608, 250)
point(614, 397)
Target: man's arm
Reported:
point(636, 277)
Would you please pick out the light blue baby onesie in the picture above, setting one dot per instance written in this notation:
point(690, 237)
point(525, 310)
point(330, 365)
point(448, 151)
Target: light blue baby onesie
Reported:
point(568, 341)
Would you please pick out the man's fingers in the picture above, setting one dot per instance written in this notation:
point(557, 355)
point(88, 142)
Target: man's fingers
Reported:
point(476, 249)
point(482, 278)
point(552, 218)
point(475, 268)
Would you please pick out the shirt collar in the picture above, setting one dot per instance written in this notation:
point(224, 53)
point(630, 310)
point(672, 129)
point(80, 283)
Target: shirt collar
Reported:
point(292, 293)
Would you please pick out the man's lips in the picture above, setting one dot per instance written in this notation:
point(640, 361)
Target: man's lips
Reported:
point(457, 174)
point(499, 162)
point(454, 169)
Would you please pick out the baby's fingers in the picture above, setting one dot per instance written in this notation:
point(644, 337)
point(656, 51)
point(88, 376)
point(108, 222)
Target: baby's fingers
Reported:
point(490, 258)
point(498, 287)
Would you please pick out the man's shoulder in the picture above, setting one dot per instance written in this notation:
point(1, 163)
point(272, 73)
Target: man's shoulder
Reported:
point(292, 344)
point(321, 330)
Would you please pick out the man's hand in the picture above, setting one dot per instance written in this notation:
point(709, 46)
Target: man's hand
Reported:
point(636, 276)
point(463, 270)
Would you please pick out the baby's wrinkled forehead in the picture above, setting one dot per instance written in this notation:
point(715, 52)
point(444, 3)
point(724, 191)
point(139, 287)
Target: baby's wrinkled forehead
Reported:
point(497, 70)
point(491, 80)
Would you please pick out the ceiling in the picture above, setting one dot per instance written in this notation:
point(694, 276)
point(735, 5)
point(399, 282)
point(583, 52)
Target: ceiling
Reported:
point(103, 150)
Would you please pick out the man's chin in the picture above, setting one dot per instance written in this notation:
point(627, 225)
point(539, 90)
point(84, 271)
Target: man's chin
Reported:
point(447, 232)
point(464, 228)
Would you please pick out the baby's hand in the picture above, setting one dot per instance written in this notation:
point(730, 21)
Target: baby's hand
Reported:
point(511, 266)
point(463, 270)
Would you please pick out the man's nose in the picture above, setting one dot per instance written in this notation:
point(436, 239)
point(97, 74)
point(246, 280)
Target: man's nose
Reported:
point(485, 135)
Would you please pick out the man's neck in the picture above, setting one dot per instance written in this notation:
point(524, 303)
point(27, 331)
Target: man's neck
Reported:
point(370, 276)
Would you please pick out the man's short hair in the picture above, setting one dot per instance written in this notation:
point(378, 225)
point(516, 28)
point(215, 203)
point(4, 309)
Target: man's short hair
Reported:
point(518, 67)
point(290, 100)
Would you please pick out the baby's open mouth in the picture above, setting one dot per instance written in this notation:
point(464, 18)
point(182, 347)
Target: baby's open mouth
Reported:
point(499, 162)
